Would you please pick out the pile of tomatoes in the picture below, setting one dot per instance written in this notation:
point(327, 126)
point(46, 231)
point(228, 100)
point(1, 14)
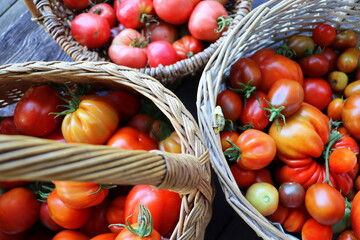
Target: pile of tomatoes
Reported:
point(87, 210)
point(147, 33)
point(292, 130)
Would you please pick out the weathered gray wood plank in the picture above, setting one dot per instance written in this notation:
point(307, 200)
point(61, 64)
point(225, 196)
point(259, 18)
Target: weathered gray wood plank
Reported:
point(12, 15)
point(5, 5)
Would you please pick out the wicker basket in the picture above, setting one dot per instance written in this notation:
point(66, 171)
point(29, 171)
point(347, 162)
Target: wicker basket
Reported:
point(264, 27)
point(31, 158)
point(56, 19)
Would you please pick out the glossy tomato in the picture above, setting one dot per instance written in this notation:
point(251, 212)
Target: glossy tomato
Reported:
point(187, 46)
point(162, 31)
point(105, 236)
point(128, 235)
point(300, 44)
point(324, 35)
point(141, 122)
point(313, 230)
point(204, 23)
point(291, 219)
point(128, 49)
point(314, 66)
point(354, 215)
point(161, 53)
point(345, 39)
point(331, 56)
point(8, 127)
point(105, 11)
point(231, 104)
point(244, 74)
point(174, 11)
point(171, 144)
point(317, 92)
point(70, 235)
point(135, 13)
point(264, 197)
point(348, 60)
point(351, 116)
point(46, 220)
point(342, 160)
point(127, 103)
point(347, 235)
point(19, 210)
point(33, 113)
point(352, 88)
point(90, 30)
point(291, 194)
point(243, 177)
point(335, 108)
point(77, 4)
point(115, 214)
point(338, 80)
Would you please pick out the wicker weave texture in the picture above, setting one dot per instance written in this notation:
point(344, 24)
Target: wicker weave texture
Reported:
point(264, 27)
point(32, 158)
point(56, 18)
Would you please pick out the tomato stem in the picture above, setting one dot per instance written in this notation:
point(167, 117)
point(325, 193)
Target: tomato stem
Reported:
point(284, 50)
point(334, 137)
point(223, 22)
point(247, 89)
point(233, 153)
point(275, 113)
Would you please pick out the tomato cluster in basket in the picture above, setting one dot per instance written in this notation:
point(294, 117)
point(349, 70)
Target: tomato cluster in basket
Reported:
point(147, 33)
point(87, 210)
point(291, 132)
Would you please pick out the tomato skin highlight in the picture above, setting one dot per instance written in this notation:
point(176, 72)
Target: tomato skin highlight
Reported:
point(312, 230)
point(351, 116)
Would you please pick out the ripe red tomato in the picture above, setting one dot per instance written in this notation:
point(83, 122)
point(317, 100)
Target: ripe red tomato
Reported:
point(161, 53)
point(291, 219)
point(69, 218)
point(105, 236)
point(342, 160)
point(93, 121)
point(162, 31)
point(324, 203)
point(131, 139)
point(347, 235)
point(335, 108)
point(135, 13)
point(46, 220)
point(128, 110)
point(312, 230)
point(226, 137)
point(19, 210)
point(174, 11)
point(324, 35)
point(187, 46)
point(70, 235)
point(317, 92)
point(32, 115)
point(263, 175)
point(354, 215)
point(331, 56)
point(314, 66)
point(300, 44)
point(203, 22)
point(128, 235)
point(90, 30)
point(163, 205)
point(243, 177)
point(264, 197)
point(77, 4)
point(106, 11)
point(231, 104)
point(8, 127)
point(351, 116)
point(115, 214)
point(345, 39)
point(242, 72)
point(128, 49)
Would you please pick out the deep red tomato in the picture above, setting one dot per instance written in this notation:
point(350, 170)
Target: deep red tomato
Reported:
point(56, 135)
point(131, 139)
point(231, 104)
point(243, 178)
point(352, 88)
point(345, 39)
point(128, 110)
point(254, 113)
point(93, 121)
point(300, 44)
point(348, 60)
point(141, 122)
point(77, 4)
point(105, 236)
point(261, 54)
point(351, 116)
point(314, 66)
point(163, 205)
point(291, 194)
point(8, 127)
point(242, 72)
point(16, 236)
point(115, 214)
point(90, 30)
point(204, 21)
point(263, 175)
point(135, 13)
point(161, 53)
point(331, 56)
point(162, 31)
point(12, 183)
point(291, 219)
point(105, 11)
point(171, 144)
point(275, 66)
point(69, 218)
point(46, 220)
point(285, 94)
point(70, 235)
point(32, 115)
point(187, 46)
point(354, 215)
point(347, 235)
point(312, 230)
point(174, 11)
point(324, 203)
point(15, 204)
point(317, 92)
point(256, 149)
point(128, 49)
point(342, 160)
point(324, 35)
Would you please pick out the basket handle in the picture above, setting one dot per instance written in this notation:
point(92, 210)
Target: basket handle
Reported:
point(36, 159)
point(32, 8)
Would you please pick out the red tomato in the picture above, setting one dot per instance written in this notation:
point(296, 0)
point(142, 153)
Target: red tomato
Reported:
point(105, 11)
point(331, 56)
point(70, 235)
point(300, 44)
point(324, 35)
point(231, 104)
point(135, 13)
point(174, 11)
point(77, 4)
point(46, 220)
point(257, 149)
point(345, 39)
point(314, 66)
point(324, 203)
point(291, 194)
point(342, 160)
point(69, 218)
point(131, 139)
point(19, 210)
point(171, 144)
point(90, 30)
point(317, 92)
point(312, 230)
point(115, 214)
point(354, 215)
point(242, 72)
point(32, 115)
point(16, 236)
point(347, 235)
point(187, 46)
point(351, 116)
point(263, 175)
point(93, 121)
point(8, 127)
point(12, 183)
point(141, 122)
point(128, 49)
point(261, 54)
point(105, 236)
point(164, 206)
point(274, 67)
point(128, 110)
point(335, 108)
point(204, 21)
point(244, 178)
point(161, 53)
point(162, 31)
point(291, 219)
point(56, 135)
point(128, 235)
point(226, 137)
point(254, 113)
point(286, 95)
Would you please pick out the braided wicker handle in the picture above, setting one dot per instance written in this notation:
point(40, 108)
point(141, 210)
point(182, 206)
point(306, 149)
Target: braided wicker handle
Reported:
point(32, 8)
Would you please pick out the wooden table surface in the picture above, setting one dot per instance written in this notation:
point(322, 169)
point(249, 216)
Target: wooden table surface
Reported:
point(23, 40)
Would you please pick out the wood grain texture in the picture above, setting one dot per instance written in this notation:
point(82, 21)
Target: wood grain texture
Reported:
point(12, 15)
point(5, 5)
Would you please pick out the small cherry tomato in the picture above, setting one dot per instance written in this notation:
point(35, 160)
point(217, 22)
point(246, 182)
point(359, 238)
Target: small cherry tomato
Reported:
point(245, 72)
point(187, 46)
point(347, 235)
point(231, 104)
point(243, 178)
point(264, 197)
point(161, 52)
point(313, 230)
point(291, 194)
point(299, 44)
point(317, 92)
point(338, 80)
point(314, 66)
point(345, 39)
point(348, 60)
point(352, 88)
point(324, 35)
point(342, 160)
point(335, 108)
